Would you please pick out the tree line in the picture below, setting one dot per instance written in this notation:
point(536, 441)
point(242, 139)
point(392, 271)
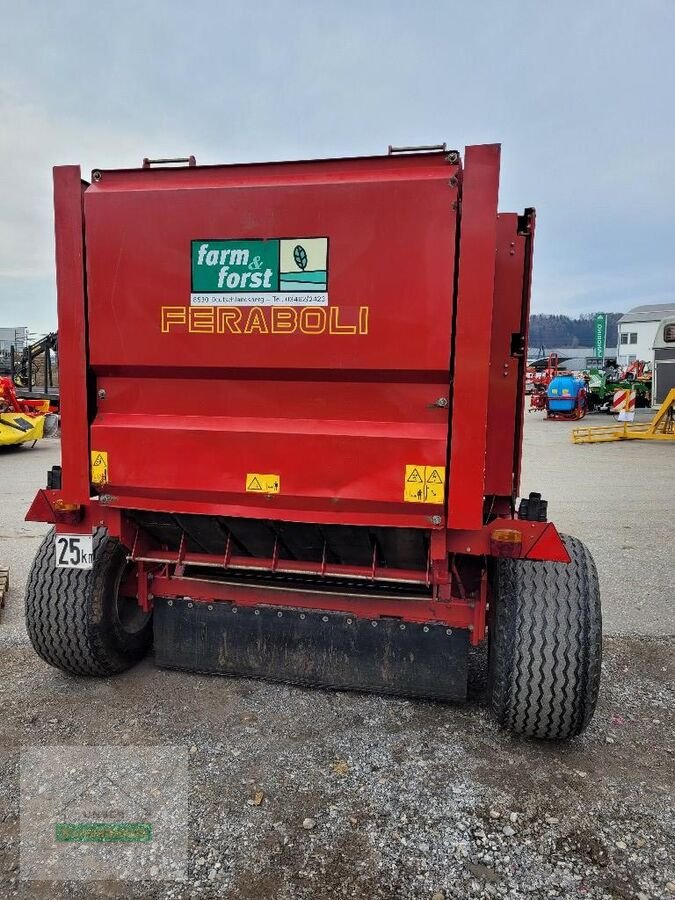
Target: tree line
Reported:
point(549, 331)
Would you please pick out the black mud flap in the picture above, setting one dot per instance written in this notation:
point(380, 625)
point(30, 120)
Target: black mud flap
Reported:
point(303, 646)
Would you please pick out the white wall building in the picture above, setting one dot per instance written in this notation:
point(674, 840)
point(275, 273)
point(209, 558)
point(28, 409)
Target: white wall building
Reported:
point(637, 330)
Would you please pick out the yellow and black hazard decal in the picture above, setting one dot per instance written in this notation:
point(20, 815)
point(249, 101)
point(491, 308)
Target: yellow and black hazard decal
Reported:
point(424, 484)
point(262, 484)
point(99, 467)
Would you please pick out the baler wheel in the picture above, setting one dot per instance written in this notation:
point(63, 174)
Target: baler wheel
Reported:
point(77, 619)
point(545, 644)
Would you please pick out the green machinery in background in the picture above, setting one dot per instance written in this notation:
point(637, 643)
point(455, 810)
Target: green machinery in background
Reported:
point(603, 383)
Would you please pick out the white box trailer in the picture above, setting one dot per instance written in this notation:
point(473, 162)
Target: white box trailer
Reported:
point(664, 360)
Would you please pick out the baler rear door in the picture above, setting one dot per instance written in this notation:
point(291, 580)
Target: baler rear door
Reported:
point(273, 341)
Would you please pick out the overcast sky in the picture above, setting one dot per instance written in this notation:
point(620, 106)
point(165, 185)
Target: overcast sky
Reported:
point(580, 94)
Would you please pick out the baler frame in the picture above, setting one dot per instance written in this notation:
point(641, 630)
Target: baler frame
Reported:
point(449, 601)
point(464, 537)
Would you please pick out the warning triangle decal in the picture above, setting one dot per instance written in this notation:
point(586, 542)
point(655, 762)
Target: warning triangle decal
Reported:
point(415, 476)
point(99, 461)
point(254, 485)
point(434, 478)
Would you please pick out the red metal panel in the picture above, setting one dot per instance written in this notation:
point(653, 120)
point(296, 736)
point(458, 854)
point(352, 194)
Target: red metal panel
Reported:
point(197, 398)
point(391, 229)
point(505, 385)
point(71, 305)
point(402, 515)
point(455, 614)
point(336, 446)
point(471, 363)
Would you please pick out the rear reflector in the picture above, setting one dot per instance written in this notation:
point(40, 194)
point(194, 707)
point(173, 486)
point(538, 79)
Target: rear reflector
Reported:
point(506, 542)
point(66, 513)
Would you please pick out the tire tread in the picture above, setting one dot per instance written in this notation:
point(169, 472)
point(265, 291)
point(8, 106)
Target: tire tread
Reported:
point(545, 669)
point(62, 607)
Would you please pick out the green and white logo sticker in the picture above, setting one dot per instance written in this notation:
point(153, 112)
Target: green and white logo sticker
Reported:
point(275, 272)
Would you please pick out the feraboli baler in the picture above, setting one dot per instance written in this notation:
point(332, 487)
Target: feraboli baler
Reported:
point(291, 399)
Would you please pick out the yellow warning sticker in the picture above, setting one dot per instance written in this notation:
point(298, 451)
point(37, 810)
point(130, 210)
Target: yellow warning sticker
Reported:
point(99, 467)
point(414, 484)
point(424, 484)
point(263, 484)
point(434, 481)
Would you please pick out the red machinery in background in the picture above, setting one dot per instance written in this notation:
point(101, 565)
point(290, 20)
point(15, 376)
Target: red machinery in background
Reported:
point(539, 380)
point(22, 420)
point(292, 401)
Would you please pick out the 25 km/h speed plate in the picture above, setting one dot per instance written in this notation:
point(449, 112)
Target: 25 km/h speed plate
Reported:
point(74, 551)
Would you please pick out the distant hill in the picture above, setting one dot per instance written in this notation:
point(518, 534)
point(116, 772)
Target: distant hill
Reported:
point(562, 331)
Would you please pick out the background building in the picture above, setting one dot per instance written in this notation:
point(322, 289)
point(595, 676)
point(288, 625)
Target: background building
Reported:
point(11, 337)
point(573, 358)
point(637, 330)
point(16, 337)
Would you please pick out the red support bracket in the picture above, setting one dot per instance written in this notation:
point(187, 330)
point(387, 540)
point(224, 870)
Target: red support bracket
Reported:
point(471, 357)
point(477, 628)
point(72, 315)
point(228, 550)
point(144, 596)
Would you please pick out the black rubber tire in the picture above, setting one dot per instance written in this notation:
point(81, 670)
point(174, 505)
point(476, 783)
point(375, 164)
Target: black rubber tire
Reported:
point(545, 652)
point(71, 614)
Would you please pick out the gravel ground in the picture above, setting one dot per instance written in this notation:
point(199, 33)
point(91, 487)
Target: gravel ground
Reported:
point(304, 794)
